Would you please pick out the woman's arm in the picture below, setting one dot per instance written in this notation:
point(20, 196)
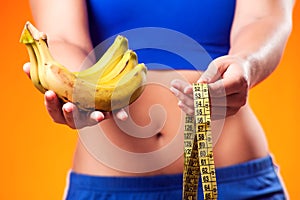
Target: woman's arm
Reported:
point(66, 24)
point(258, 36)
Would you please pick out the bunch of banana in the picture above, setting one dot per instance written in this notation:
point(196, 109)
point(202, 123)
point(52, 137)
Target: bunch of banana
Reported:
point(113, 82)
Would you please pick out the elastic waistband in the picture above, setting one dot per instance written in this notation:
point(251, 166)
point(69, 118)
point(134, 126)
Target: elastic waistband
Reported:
point(245, 170)
point(161, 182)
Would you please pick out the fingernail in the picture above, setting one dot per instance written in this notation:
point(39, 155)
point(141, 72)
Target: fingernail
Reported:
point(187, 90)
point(97, 116)
point(180, 103)
point(49, 96)
point(174, 91)
point(26, 66)
point(122, 115)
point(68, 107)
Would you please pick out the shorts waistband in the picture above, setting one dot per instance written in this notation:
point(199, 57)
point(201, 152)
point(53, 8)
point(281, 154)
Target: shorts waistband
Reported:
point(225, 174)
point(244, 170)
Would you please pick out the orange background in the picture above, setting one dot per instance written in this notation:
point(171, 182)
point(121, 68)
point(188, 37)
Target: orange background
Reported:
point(36, 154)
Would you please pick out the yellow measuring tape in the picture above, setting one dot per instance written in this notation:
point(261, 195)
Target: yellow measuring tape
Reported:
point(198, 148)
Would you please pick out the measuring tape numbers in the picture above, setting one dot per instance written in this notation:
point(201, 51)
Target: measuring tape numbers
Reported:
point(198, 148)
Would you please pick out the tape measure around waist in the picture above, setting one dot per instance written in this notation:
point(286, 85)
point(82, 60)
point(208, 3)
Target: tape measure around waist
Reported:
point(198, 148)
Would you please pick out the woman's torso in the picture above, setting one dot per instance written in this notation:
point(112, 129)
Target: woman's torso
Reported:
point(151, 141)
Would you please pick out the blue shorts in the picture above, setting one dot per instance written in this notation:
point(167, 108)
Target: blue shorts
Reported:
point(256, 179)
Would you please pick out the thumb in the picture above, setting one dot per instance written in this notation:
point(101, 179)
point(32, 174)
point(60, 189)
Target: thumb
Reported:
point(214, 71)
point(26, 69)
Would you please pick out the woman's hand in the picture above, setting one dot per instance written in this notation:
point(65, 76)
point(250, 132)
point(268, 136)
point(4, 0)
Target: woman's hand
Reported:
point(69, 114)
point(228, 80)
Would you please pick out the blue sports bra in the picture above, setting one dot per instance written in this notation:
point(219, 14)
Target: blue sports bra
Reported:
point(165, 34)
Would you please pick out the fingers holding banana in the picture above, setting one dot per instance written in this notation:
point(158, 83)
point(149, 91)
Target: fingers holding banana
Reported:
point(69, 114)
point(85, 98)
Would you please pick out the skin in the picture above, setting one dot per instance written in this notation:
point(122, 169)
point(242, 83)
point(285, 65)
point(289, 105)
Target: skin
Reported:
point(258, 37)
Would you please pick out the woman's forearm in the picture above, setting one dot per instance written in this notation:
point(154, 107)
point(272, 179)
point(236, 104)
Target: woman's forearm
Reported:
point(66, 25)
point(70, 55)
point(261, 42)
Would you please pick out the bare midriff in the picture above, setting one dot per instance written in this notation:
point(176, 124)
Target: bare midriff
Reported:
point(153, 135)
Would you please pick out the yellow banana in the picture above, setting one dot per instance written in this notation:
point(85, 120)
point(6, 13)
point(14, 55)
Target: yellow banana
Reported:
point(107, 62)
point(115, 81)
point(27, 39)
point(131, 83)
point(119, 92)
point(127, 62)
